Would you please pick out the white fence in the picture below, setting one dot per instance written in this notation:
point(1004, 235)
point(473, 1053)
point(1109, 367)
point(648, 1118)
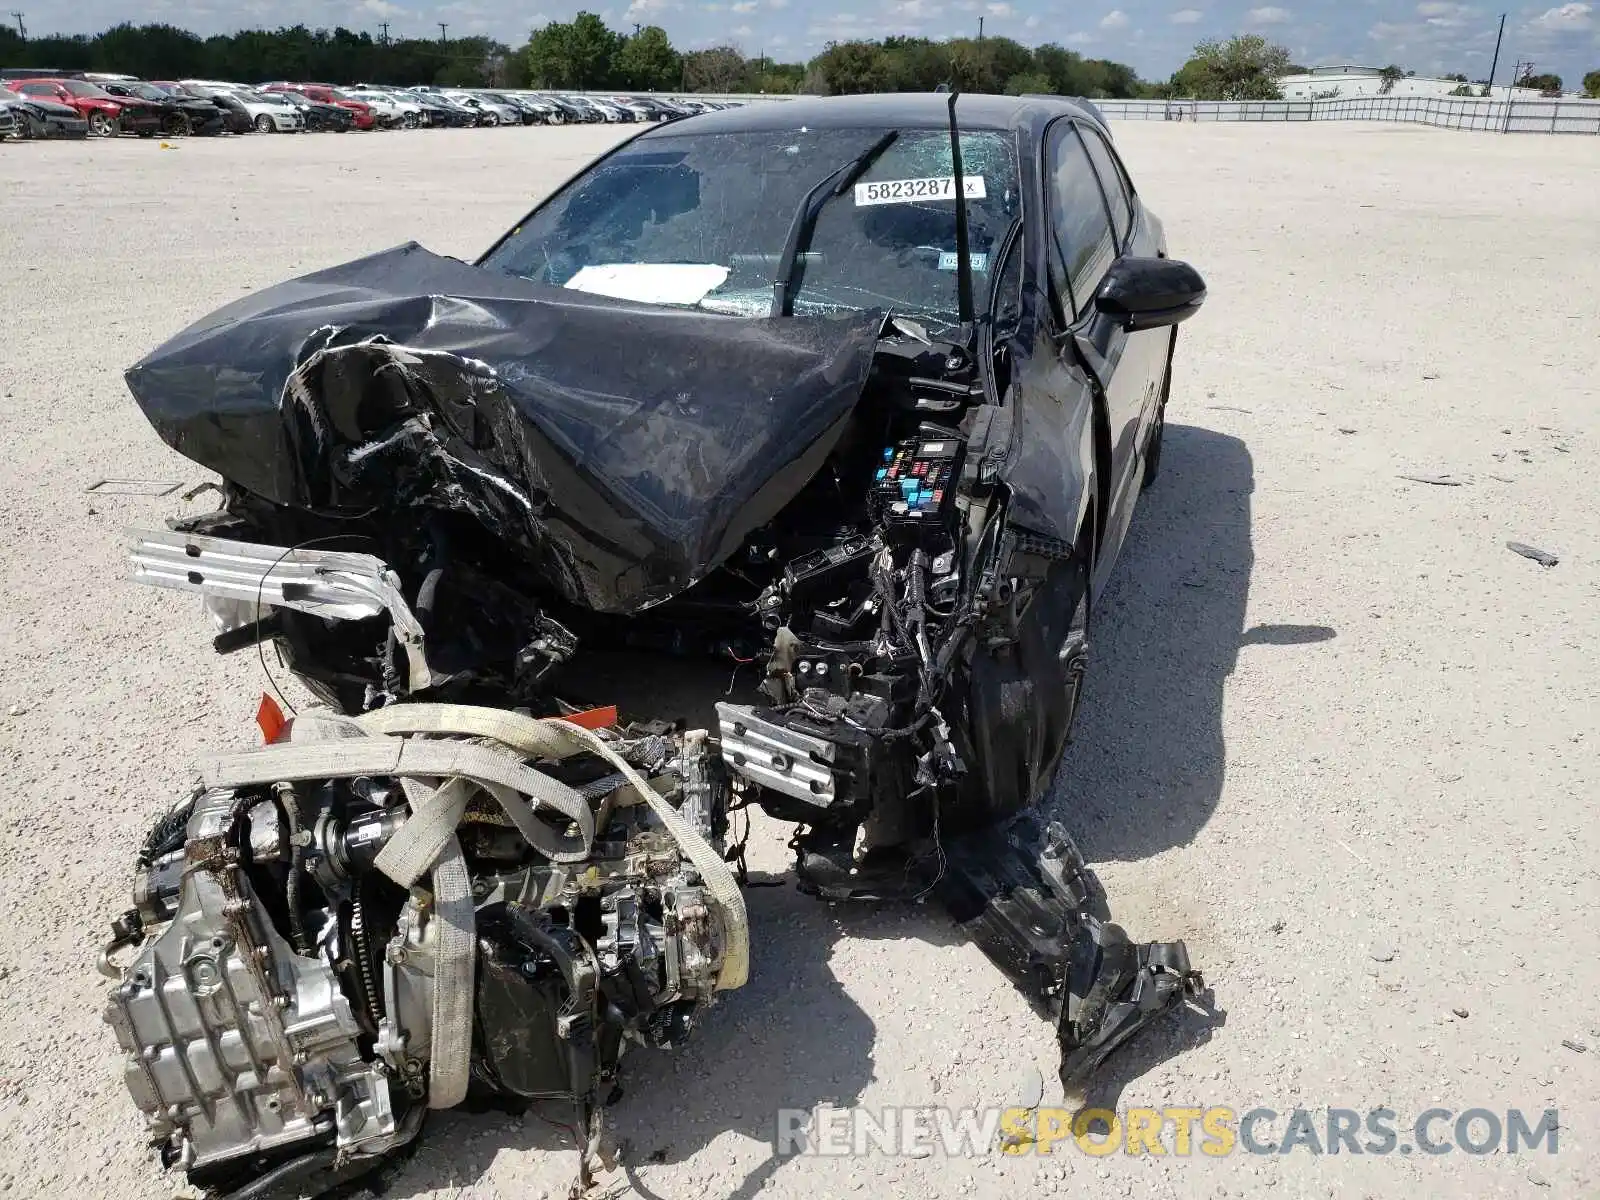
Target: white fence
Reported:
point(1496, 116)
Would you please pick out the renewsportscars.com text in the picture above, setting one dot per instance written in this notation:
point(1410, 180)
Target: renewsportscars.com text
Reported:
point(1215, 1131)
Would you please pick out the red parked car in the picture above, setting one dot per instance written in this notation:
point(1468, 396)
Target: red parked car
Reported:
point(107, 114)
point(365, 118)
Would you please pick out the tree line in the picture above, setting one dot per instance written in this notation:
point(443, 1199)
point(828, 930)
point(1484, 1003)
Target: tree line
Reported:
point(586, 53)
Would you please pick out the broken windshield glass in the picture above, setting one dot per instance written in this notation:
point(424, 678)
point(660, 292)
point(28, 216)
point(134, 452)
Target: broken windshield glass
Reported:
point(720, 205)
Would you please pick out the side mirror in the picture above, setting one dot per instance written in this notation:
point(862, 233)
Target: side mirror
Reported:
point(1149, 293)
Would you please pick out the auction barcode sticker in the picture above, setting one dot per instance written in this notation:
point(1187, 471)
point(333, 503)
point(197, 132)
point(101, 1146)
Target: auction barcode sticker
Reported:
point(909, 191)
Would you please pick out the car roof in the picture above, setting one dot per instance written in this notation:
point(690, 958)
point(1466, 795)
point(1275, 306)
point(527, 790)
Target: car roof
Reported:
point(907, 110)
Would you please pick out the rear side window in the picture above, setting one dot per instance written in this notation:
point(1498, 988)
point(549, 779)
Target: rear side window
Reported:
point(1084, 243)
point(1113, 181)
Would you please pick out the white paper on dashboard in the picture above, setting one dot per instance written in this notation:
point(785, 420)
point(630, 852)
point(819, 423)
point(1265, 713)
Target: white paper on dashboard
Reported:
point(651, 283)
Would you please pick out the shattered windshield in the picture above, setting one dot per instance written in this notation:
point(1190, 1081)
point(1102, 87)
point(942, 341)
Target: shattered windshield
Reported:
point(701, 220)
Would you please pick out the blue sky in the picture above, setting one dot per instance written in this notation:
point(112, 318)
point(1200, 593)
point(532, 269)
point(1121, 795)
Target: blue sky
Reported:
point(1426, 36)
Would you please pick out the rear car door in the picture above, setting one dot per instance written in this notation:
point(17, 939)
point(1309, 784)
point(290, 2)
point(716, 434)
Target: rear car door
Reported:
point(1088, 233)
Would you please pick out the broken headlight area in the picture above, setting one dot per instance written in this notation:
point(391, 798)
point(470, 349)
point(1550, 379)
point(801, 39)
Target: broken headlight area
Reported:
point(471, 513)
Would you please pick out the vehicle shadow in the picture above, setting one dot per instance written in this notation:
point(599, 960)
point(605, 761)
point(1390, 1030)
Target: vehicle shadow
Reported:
point(789, 1039)
point(1147, 762)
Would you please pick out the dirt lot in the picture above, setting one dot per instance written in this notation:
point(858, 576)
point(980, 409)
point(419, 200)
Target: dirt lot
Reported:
point(1336, 734)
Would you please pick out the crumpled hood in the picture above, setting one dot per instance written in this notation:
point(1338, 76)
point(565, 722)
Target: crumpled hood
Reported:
point(623, 450)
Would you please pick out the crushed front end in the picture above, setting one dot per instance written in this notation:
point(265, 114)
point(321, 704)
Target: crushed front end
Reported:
point(564, 612)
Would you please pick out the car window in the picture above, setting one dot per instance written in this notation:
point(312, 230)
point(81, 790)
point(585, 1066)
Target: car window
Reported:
point(1112, 180)
point(1079, 223)
point(718, 207)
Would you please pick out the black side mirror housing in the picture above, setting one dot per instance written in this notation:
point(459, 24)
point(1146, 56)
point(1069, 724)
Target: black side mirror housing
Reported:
point(1150, 293)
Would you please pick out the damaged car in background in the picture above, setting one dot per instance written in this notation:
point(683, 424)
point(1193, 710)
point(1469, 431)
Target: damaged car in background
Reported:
point(826, 539)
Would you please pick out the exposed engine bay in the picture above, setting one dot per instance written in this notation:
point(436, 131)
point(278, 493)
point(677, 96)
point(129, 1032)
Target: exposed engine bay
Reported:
point(497, 854)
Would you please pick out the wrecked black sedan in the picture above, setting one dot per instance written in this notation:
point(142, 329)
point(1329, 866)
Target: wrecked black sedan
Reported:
point(776, 459)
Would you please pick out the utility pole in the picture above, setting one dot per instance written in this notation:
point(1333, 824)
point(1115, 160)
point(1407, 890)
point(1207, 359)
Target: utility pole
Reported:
point(980, 29)
point(384, 25)
point(1496, 61)
point(21, 28)
point(636, 29)
point(442, 36)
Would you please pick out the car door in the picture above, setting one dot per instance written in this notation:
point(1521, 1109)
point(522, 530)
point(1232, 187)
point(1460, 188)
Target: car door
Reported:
point(1083, 244)
point(1136, 235)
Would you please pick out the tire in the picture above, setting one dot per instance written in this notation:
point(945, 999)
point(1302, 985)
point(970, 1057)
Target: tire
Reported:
point(101, 125)
point(409, 120)
point(263, 124)
point(556, 118)
point(1152, 451)
point(178, 125)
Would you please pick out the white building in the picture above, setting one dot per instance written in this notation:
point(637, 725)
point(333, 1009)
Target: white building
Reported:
point(1345, 80)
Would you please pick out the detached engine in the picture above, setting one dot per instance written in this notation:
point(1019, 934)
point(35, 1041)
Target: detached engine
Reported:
point(373, 917)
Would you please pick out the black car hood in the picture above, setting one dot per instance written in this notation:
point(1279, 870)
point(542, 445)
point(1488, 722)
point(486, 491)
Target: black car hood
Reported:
point(621, 450)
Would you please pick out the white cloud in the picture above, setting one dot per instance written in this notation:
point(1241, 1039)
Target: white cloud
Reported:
point(744, 6)
point(1032, 22)
point(1115, 19)
point(1270, 15)
point(916, 10)
point(1186, 16)
point(647, 8)
point(742, 31)
point(1080, 37)
point(381, 8)
point(1568, 18)
point(1000, 10)
point(777, 3)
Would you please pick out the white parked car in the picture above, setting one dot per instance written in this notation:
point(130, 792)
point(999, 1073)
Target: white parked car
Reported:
point(389, 107)
point(268, 113)
point(490, 112)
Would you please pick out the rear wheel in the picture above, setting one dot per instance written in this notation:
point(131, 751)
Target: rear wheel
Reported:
point(556, 118)
point(101, 125)
point(263, 124)
point(177, 125)
point(409, 120)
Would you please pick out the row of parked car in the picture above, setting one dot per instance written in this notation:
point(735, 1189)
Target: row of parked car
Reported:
point(82, 104)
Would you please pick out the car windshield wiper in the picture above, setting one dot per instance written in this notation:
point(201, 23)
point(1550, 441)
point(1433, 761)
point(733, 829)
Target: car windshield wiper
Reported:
point(805, 219)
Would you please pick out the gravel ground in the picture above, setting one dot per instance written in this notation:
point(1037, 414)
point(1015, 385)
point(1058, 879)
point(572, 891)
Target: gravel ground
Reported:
point(1335, 737)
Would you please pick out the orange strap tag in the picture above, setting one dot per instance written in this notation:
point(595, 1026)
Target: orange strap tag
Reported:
point(594, 718)
point(270, 718)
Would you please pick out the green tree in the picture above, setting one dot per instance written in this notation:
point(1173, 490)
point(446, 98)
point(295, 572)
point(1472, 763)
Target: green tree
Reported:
point(916, 64)
point(1066, 70)
point(1031, 83)
point(591, 47)
point(1389, 76)
point(647, 60)
point(549, 63)
point(1113, 80)
point(1591, 85)
point(851, 68)
point(1543, 83)
point(1245, 67)
point(717, 70)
